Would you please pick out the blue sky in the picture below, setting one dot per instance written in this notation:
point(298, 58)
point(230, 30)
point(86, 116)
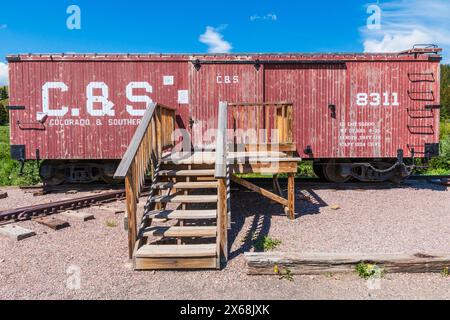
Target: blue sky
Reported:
point(220, 26)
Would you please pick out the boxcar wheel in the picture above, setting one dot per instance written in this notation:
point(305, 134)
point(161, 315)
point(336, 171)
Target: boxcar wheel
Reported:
point(318, 170)
point(51, 174)
point(332, 171)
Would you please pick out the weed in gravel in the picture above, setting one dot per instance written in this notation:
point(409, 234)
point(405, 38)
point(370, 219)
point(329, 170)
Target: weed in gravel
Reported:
point(266, 243)
point(111, 223)
point(368, 271)
point(445, 272)
point(283, 273)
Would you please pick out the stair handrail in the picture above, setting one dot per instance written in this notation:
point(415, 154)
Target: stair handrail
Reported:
point(151, 137)
point(221, 171)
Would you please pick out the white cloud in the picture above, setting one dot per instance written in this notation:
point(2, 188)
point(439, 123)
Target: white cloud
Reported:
point(408, 22)
point(214, 40)
point(269, 16)
point(3, 74)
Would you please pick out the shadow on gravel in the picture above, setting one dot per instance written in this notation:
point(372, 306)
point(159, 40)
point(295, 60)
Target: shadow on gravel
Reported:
point(243, 205)
point(246, 204)
point(363, 186)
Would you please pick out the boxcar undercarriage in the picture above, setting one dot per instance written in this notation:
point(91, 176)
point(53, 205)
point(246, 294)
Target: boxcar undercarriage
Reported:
point(56, 172)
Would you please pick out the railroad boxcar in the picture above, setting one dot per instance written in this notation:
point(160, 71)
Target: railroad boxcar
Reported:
point(364, 116)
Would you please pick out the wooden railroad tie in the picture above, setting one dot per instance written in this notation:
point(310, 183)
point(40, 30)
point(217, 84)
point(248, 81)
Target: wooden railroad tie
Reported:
point(265, 263)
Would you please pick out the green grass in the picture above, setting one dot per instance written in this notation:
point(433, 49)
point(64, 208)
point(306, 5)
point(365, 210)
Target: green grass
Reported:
point(441, 164)
point(10, 169)
point(111, 224)
point(367, 271)
point(266, 243)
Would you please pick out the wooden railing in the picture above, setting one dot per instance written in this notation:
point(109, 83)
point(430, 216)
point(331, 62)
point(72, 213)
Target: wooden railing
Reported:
point(221, 172)
point(271, 122)
point(153, 135)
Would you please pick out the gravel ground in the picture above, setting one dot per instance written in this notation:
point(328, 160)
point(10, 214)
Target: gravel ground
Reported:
point(380, 219)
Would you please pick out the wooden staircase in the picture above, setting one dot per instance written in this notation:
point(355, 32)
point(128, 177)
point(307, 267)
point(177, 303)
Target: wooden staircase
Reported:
point(184, 223)
point(179, 228)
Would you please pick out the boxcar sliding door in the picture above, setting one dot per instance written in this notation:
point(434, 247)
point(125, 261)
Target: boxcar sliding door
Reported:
point(318, 92)
point(214, 82)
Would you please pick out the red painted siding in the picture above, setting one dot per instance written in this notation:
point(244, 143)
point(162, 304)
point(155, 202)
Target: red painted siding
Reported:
point(390, 114)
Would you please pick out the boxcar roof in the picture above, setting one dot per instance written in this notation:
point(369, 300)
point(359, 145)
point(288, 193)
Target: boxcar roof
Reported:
point(263, 57)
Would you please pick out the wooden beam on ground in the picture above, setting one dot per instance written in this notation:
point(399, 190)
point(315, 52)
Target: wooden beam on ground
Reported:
point(52, 222)
point(261, 191)
point(265, 263)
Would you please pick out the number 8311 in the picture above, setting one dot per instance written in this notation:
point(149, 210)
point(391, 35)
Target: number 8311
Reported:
point(376, 99)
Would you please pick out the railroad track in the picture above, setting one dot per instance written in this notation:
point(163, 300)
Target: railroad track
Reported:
point(29, 212)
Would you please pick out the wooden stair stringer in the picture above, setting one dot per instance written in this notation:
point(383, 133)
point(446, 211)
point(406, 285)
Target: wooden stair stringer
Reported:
point(194, 230)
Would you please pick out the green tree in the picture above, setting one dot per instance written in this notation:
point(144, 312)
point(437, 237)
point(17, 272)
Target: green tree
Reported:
point(445, 91)
point(4, 114)
point(3, 93)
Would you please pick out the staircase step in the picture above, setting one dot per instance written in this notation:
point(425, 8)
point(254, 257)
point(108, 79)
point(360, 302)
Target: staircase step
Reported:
point(185, 199)
point(187, 173)
point(178, 232)
point(186, 185)
point(184, 214)
point(176, 251)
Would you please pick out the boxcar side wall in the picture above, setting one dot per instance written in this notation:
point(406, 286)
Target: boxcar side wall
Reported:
point(89, 109)
point(93, 108)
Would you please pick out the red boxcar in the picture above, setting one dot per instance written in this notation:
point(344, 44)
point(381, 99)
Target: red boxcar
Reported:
point(347, 107)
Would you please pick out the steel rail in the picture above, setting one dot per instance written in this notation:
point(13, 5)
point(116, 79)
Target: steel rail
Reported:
point(29, 212)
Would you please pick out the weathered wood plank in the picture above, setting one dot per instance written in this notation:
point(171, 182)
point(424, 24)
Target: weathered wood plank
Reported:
point(174, 232)
point(222, 222)
point(221, 142)
point(52, 222)
point(265, 167)
point(176, 251)
point(130, 154)
point(261, 191)
point(260, 263)
point(184, 214)
point(174, 263)
point(131, 198)
point(291, 196)
point(185, 199)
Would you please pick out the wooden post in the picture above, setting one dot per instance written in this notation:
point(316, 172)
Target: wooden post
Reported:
point(291, 196)
point(130, 186)
point(222, 220)
point(221, 176)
